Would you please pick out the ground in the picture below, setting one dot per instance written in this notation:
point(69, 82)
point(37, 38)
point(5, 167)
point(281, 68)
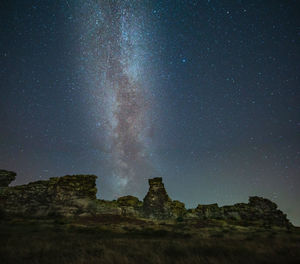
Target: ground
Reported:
point(115, 239)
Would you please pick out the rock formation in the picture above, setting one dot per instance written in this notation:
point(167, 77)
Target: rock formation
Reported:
point(130, 206)
point(209, 211)
point(66, 195)
point(6, 177)
point(158, 205)
point(258, 210)
point(157, 202)
point(75, 195)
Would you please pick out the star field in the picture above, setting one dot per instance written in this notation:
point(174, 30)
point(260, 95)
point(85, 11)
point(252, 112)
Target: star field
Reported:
point(205, 94)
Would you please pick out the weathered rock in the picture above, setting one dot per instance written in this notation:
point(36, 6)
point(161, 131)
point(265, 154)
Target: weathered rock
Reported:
point(235, 212)
point(6, 177)
point(57, 196)
point(130, 206)
point(76, 196)
point(129, 201)
point(262, 204)
point(177, 209)
point(258, 211)
point(191, 214)
point(265, 210)
point(209, 211)
point(157, 203)
point(103, 207)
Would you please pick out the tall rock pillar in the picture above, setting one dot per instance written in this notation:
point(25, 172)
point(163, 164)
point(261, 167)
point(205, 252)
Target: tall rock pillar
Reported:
point(157, 203)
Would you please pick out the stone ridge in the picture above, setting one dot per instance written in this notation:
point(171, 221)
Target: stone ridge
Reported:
point(75, 195)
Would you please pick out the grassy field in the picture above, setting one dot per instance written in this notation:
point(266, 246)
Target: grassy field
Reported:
point(86, 241)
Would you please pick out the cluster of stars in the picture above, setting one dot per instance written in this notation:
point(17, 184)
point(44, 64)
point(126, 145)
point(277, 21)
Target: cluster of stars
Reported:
point(202, 93)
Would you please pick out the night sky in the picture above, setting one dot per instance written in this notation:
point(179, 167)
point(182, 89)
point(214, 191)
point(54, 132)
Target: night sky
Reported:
point(205, 94)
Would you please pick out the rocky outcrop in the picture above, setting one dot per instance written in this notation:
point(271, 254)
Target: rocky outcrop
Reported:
point(76, 196)
point(129, 201)
point(266, 211)
point(258, 211)
point(6, 177)
point(178, 210)
point(157, 202)
point(102, 207)
point(209, 211)
point(130, 206)
point(68, 195)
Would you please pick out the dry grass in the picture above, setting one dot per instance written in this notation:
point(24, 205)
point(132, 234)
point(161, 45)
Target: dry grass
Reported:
point(39, 242)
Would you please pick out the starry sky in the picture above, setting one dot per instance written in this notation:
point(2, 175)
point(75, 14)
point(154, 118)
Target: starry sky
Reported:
point(205, 94)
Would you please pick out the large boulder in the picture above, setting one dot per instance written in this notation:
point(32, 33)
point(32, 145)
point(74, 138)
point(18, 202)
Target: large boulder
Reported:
point(6, 177)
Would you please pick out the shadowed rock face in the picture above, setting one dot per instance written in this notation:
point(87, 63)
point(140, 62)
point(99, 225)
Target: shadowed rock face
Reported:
point(6, 177)
point(262, 204)
point(266, 211)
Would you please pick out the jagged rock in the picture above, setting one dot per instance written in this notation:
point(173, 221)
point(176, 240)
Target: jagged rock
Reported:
point(262, 204)
point(258, 211)
point(266, 211)
point(57, 196)
point(76, 196)
point(157, 203)
point(235, 212)
point(6, 177)
point(130, 206)
point(212, 211)
point(178, 209)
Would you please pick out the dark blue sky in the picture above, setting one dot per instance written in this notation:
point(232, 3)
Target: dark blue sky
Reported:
point(205, 94)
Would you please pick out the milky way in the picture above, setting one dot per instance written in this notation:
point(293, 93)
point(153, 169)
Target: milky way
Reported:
point(114, 49)
point(202, 93)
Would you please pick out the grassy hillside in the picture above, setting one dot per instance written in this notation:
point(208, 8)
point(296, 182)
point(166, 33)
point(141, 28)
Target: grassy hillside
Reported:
point(124, 240)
